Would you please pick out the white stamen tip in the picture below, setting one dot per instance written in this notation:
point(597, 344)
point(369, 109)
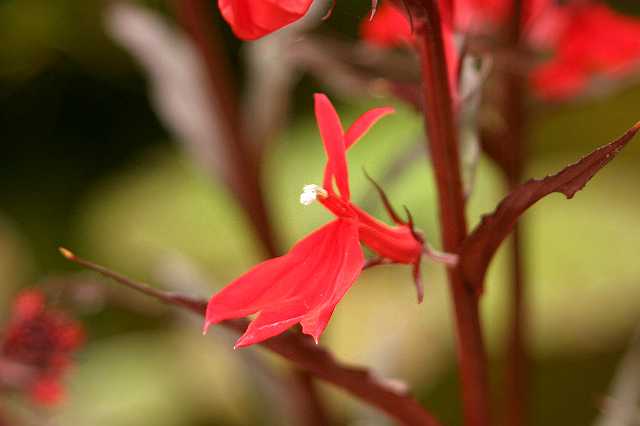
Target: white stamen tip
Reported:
point(310, 193)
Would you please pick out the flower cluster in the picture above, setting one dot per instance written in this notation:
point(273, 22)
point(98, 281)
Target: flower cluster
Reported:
point(37, 347)
point(305, 285)
point(587, 39)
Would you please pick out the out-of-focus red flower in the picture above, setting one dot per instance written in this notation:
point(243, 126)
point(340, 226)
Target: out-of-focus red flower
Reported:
point(252, 19)
point(587, 38)
point(305, 285)
point(40, 342)
point(595, 42)
point(388, 28)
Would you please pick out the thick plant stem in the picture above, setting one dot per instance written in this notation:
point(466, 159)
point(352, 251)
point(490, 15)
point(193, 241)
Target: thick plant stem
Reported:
point(196, 17)
point(443, 145)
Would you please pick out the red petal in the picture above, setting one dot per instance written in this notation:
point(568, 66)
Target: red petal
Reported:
point(302, 286)
point(388, 28)
point(352, 262)
point(558, 80)
point(333, 140)
point(252, 19)
point(363, 124)
point(271, 323)
point(270, 282)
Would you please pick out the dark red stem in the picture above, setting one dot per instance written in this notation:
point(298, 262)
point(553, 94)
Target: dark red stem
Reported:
point(443, 145)
point(516, 377)
point(196, 17)
point(514, 113)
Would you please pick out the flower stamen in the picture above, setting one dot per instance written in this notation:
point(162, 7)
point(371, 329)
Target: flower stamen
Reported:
point(310, 193)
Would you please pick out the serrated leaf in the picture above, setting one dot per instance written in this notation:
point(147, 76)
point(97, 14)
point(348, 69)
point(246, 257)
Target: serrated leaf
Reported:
point(481, 245)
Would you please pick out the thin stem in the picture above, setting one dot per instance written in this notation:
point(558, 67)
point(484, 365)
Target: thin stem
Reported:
point(443, 145)
point(196, 17)
point(516, 377)
point(514, 112)
point(387, 396)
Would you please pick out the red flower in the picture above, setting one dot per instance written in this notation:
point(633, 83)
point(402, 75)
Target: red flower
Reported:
point(305, 285)
point(37, 345)
point(595, 41)
point(252, 19)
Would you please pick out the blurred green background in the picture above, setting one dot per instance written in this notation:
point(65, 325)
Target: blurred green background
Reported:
point(86, 163)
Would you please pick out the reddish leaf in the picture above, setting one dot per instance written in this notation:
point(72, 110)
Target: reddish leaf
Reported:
point(478, 249)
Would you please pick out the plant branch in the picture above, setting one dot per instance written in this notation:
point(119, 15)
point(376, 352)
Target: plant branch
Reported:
point(443, 144)
point(299, 350)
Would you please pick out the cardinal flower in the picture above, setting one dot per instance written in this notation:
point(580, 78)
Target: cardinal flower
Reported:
point(305, 285)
